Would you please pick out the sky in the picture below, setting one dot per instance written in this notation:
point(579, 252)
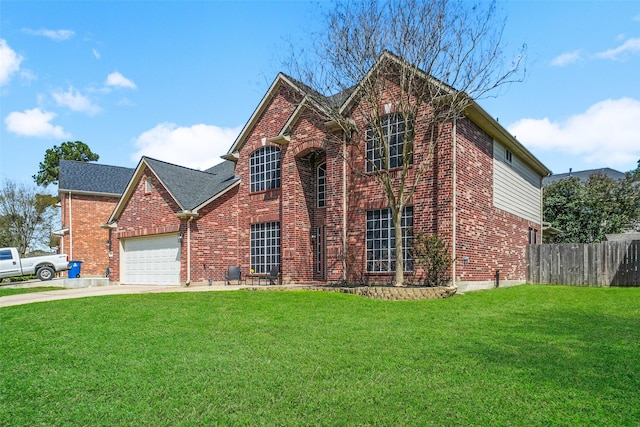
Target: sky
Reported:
point(177, 80)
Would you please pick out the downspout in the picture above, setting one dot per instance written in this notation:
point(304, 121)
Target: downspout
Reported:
point(70, 230)
point(189, 250)
point(454, 200)
point(344, 208)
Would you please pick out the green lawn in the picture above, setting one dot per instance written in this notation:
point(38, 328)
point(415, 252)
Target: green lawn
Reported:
point(529, 355)
point(15, 291)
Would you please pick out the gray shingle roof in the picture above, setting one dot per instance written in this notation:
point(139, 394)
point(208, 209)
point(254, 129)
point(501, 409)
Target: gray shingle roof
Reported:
point(584, 175)
point(93, 177)
point(191, 187)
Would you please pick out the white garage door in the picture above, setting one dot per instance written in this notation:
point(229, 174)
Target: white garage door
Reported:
point(151, 261)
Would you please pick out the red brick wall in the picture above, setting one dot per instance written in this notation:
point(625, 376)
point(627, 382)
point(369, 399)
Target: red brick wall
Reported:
point(86, 241)
point(213, 233)
point(488, 239)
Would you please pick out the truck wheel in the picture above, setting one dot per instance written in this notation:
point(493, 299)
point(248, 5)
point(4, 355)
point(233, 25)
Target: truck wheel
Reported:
point(45, 273)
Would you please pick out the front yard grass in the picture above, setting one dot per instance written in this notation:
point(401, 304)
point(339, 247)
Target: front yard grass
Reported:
point(528, 355)
point(16, 291)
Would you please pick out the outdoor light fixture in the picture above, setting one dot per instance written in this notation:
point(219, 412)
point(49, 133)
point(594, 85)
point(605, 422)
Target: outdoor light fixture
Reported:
point(179, 237)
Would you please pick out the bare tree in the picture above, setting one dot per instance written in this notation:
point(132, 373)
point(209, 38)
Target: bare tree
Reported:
point(426, 61)
point(25, 215)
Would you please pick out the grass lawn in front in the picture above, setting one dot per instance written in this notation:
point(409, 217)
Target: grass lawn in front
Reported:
point(4, 291)
point(528, 355)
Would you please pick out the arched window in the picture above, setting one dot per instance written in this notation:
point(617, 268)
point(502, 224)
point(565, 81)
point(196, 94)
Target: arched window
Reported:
point(265, 169)
point(390, 154)
point(322, 185)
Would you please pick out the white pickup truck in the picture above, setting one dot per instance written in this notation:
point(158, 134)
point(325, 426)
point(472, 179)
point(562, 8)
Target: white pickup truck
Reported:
point(44, 267)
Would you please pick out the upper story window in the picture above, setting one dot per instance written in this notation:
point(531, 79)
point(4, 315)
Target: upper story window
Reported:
point(388, 155)
point(265, 169)
point(322, 185)
point(148, 185)
point(508, 156)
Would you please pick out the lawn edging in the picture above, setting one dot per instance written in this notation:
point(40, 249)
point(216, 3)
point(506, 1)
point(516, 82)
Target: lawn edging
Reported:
point(377, 292)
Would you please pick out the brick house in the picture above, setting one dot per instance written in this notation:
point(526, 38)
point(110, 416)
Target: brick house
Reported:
point(88, 193)
point(287, 196)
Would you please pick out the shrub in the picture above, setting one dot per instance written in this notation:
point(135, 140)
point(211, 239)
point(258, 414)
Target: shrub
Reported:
point(432, 254)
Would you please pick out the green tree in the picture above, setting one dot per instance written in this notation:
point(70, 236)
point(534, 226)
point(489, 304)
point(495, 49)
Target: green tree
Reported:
point(26, 217)
point(433, 56)
point(586, 211)
point(50, 166)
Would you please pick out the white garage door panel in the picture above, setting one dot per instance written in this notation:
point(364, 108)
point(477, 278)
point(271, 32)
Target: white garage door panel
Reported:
point(152, 261)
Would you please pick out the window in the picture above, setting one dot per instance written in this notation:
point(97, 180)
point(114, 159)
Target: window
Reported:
point(381, 244)
point(508, 156)
point(5, 255)
point(265, 169)
point(393, 130)
point(322, 185)
point(148, 185)
point(265, 246)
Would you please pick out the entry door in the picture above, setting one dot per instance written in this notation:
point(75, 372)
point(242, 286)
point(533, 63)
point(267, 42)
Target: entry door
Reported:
point(321, 254)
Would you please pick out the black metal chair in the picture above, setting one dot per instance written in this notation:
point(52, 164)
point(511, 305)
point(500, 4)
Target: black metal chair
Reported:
point(274, 275)
point(233, 273)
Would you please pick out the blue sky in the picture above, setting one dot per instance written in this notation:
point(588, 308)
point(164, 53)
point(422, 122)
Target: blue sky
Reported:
point(177, 80)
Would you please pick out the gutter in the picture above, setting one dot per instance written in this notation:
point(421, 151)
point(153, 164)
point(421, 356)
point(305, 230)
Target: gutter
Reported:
point(189, 216)
point(454, 199)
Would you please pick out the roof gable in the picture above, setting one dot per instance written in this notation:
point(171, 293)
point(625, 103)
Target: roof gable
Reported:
point(87, 177)
point(280, 80)
point(190, 188)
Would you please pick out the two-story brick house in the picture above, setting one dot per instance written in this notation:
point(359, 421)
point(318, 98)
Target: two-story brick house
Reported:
point(289, 195)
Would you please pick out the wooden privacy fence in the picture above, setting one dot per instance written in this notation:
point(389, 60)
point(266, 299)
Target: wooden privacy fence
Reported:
point(585, 264)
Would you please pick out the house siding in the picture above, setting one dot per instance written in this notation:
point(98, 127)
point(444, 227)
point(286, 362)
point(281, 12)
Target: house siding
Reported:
point(517, 188)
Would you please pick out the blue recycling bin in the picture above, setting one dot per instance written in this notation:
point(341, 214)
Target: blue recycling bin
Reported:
point(74, 271)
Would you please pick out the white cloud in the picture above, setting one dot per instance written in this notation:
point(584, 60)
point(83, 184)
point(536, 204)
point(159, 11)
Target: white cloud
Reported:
point(199, 146)
point(118, 80)
point(9, 62)
point(75, 101)
point(604, 135)
point(631, 46)
point(567, 58)
point(96, 53)
point(34, 122)
point(57, 35)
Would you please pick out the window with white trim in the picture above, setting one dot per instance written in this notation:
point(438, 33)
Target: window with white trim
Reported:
point(265, 169)
point(381, 242)
point(265, 246)
point(390, 154)
point(508, 156)
point(322, 185)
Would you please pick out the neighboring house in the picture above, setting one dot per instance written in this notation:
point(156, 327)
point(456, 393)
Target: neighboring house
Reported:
point(287, 197)
point(622, 237)
point(584, 175)
point(88, 193)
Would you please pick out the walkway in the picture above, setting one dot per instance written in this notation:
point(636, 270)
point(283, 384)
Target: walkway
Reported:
point(69, 293)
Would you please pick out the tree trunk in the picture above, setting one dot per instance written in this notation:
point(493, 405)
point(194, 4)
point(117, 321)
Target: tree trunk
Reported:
point(396, 215)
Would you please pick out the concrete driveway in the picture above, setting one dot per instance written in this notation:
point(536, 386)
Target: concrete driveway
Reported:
point(58, 294)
